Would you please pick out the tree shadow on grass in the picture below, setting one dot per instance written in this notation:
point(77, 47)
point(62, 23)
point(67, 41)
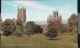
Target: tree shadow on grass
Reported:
point(53, 39)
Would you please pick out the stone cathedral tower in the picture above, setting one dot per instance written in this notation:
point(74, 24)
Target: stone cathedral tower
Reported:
point(21, 14)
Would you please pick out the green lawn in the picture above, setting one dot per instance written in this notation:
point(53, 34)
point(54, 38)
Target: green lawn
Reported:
point(38, 41)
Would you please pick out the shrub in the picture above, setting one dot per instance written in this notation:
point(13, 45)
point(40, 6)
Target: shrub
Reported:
point(51, 33)
point(18, 32)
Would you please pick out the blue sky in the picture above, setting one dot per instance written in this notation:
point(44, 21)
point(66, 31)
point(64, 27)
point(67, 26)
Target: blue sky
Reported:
point(39, 10)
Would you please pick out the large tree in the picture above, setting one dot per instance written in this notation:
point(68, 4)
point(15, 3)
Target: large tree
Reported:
point(72, 22)
point(56, 24)
point(29, 27)
point(35, 28)
point(8, 27)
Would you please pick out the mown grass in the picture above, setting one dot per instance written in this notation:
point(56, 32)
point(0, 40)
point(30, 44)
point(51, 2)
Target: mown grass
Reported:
point(38, 41)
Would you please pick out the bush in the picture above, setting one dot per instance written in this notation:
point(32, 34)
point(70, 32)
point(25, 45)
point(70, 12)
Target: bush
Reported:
point(51, 33)
point(18, 32)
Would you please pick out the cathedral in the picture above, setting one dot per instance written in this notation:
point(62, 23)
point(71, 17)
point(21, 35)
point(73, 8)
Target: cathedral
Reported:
point(21, 14)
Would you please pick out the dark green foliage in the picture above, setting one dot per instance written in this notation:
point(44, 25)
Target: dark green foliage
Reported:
point(8, 27)
point(51, 33)
point(19, 28)
point(34, 27)
point(29, 31)
point(18, 31)
point(29, 28)
point(37, 29)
